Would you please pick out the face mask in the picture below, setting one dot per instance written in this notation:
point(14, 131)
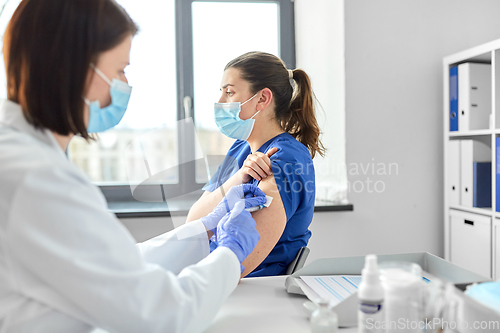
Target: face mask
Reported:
point(487, 293)
point(230, 124)
point(102, 119)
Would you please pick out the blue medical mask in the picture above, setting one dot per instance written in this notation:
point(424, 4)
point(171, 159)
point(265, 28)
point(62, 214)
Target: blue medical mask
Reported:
point(228, 120)
point(487, 293)
point(102, 119)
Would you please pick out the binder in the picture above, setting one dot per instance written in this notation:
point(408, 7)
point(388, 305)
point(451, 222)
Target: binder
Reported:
point(454, 172)
point(474, 96)
point(481, 184)
point(497, 174)
point(470, 151)
point(454, 99)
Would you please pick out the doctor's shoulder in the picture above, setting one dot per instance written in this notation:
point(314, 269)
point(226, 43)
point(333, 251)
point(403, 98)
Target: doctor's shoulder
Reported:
point(21, 150)
point(22, 157)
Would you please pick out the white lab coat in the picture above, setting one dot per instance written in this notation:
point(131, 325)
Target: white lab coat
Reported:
point(68, 265)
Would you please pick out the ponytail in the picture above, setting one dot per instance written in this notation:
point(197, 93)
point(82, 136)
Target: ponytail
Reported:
point(300, 120)
point(293, 107)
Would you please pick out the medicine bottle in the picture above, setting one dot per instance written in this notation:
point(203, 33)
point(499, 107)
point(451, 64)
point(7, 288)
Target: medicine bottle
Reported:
point(324, 319)
point(371, 298)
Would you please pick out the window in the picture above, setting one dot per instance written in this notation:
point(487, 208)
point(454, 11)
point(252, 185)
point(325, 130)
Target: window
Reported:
point(7, 8)
point(320, 37)
point(168, 140)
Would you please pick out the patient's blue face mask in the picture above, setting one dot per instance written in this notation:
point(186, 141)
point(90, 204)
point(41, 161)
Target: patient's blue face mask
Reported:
point(102, 119)
point(228, 120)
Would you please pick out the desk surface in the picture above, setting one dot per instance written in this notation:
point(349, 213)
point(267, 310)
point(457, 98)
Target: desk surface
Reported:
point(263, 305)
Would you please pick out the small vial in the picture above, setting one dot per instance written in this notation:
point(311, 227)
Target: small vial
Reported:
point(324, 319)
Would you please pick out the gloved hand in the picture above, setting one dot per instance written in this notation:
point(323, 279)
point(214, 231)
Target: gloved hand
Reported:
point(237, 231)
point(253, 197)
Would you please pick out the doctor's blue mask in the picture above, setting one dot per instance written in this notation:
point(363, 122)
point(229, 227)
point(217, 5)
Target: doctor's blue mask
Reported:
point(229, 122)
point(102, 119)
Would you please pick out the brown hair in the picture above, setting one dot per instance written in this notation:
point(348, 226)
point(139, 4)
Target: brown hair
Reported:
point(48, 48)
point(294, 109)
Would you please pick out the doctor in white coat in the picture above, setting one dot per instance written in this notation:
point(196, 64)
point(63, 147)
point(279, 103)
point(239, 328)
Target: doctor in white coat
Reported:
point(66, 263)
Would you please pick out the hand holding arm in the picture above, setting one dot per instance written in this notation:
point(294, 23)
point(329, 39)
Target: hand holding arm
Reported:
point(257, 166)
point(209, 200)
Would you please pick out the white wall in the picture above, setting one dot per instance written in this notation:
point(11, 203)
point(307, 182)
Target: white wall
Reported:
point(393, 113)
point(394, 98)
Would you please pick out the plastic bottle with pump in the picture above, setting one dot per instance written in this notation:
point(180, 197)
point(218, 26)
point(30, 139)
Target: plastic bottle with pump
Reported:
point(371, 298)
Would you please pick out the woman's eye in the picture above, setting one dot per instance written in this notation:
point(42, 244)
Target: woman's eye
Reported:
point(229, 93)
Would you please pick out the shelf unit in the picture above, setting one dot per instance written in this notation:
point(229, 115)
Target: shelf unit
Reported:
point(487, 53)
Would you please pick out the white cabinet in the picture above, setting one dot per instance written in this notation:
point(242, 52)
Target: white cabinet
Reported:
point(470, 236)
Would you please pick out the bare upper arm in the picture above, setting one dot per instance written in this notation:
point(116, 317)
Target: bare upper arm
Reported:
point(271, 222)
point(201, 207)
point(205, 193)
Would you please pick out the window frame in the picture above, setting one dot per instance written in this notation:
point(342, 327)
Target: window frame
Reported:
point(185, 95)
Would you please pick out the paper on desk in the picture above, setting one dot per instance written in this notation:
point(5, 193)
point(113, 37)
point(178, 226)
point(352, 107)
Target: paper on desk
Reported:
point(335, 288)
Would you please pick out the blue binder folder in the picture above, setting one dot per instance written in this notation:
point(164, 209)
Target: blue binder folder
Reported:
point(482, 184)
point(454, 99)
point(497, 173)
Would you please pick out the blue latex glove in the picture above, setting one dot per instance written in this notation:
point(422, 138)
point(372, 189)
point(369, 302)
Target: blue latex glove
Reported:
point(237, 231)
point(253, 197)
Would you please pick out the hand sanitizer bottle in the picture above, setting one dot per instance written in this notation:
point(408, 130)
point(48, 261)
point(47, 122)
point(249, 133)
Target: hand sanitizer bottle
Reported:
point(371, 298)
point(323, 319)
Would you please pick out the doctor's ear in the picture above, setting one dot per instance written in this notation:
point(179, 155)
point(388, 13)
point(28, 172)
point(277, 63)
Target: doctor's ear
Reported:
point(266, 97)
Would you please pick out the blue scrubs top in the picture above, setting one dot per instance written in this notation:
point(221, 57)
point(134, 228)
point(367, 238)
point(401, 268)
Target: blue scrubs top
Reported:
point(293, 171)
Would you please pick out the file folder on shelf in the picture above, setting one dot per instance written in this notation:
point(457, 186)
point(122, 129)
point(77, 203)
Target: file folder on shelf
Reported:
point(454, 99)
point(481, 191)
point(470, 151)
point(497, 174)
point(454, 172)
point(474, 96)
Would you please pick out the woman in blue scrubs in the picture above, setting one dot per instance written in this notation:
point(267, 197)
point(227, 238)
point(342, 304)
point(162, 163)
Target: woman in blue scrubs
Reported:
point(269, 111)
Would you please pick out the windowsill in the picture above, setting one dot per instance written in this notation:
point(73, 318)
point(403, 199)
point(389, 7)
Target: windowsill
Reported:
point(180, 207)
